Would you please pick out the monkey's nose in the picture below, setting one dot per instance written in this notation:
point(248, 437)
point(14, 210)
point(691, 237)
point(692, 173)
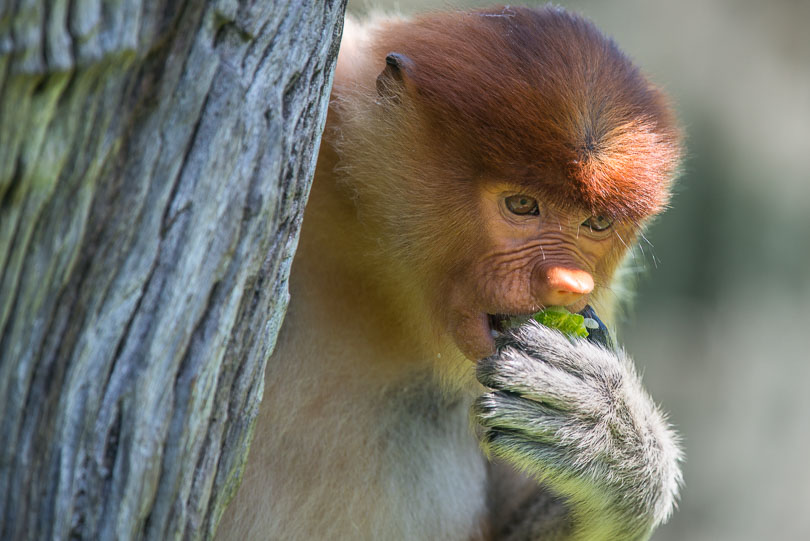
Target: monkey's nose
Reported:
point(564, 286)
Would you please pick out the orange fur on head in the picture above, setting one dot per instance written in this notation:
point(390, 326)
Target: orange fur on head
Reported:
point(539, 97)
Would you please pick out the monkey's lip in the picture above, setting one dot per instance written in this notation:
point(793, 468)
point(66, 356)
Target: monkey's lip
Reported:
point(476, 337)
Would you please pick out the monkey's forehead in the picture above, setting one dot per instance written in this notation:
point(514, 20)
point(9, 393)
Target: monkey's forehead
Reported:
point(541, 95)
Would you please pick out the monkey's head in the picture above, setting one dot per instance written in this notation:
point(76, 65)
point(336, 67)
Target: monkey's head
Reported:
point(503, 159)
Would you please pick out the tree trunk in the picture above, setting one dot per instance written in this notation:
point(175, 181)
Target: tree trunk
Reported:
point(155, 157)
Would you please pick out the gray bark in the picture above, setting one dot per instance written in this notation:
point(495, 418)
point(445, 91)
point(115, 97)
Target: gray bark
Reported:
point(155, 157)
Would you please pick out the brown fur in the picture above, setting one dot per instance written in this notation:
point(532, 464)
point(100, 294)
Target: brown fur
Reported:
point(540, 97)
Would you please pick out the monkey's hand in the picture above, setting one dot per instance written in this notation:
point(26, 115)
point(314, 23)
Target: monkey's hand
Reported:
point(574, 415)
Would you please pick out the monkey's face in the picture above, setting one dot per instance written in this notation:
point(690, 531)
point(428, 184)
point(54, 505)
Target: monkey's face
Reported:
point(556, 121)
point(528, 255)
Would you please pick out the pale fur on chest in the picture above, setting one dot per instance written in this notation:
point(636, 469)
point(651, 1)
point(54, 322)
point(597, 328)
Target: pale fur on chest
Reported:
point(342, 456)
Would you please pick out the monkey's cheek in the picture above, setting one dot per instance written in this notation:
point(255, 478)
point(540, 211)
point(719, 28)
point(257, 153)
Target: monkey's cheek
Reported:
point(473, 336)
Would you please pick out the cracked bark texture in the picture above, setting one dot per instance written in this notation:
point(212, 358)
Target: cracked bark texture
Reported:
point(155, 157)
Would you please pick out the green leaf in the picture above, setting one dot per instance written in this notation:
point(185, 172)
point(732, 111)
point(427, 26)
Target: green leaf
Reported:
point(557, 317)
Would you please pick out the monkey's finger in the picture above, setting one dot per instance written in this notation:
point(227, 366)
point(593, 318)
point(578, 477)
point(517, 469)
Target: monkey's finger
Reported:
point(534, 379)
point(507, 411)
point(543, 461)
point(577, 356)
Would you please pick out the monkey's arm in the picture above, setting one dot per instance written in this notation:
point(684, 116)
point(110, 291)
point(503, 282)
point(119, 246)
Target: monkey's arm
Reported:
point(574, 416)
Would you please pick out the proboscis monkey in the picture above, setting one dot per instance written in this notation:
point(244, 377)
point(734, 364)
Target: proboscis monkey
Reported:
point(476, 166)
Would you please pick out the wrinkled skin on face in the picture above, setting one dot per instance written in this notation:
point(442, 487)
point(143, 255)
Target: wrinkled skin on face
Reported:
point(526, 261)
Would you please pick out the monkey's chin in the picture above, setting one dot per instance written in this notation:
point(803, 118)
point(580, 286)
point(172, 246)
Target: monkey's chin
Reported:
point(474, 336)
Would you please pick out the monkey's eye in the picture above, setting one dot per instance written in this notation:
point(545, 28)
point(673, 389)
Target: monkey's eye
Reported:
point(522, 205)
point(598, 223)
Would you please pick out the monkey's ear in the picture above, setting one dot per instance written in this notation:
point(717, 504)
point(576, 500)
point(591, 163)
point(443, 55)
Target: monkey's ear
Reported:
point(394, 78)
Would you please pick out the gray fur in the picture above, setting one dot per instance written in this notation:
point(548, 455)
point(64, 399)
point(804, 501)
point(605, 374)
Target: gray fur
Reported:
point(574, 415)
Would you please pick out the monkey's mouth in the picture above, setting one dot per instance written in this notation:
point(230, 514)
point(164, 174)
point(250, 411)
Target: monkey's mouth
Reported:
point(499, 323)
point(475, 332)
point(597, 330)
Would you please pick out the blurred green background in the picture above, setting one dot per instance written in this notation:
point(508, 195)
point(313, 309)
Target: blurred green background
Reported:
point(722, 316)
